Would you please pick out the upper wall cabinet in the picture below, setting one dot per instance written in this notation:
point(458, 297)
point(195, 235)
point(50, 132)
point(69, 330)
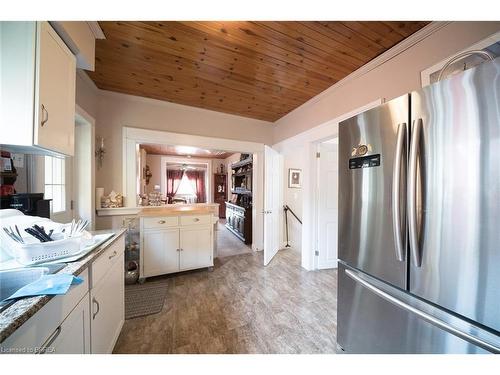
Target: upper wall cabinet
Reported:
point(37, 89)
point(80, 38)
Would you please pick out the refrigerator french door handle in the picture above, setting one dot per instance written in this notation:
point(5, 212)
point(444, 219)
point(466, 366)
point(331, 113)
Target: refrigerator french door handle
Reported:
point(396, 193)
point(412, 193)
point(423, 315)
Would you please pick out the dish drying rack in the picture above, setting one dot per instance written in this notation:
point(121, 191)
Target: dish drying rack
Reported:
point(65, 241)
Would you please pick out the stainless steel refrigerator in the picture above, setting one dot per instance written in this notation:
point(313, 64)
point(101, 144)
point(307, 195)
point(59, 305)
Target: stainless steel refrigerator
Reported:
point(419, 220)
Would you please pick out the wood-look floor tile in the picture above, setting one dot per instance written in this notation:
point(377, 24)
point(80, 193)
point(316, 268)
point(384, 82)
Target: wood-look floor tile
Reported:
point(241, 307)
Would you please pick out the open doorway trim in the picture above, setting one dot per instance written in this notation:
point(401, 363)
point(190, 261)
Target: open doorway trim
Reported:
point(310, 139)
point(166, 159)
point(82, 118)
point(132, 137)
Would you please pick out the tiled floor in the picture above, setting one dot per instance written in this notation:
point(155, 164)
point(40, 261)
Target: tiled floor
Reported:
point(227, 243)
point(241, 307)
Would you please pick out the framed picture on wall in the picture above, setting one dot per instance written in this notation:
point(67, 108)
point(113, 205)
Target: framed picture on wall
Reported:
point(294, 178)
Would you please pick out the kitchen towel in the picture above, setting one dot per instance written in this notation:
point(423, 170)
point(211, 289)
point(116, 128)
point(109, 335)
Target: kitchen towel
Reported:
point(47, 285)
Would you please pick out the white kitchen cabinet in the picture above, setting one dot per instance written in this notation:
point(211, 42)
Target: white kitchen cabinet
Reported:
point(176, 243)
point(162, 249)
point(80, 39)
point(196, 248)
point(107, 308)
point(63, 317)
point(73, 335)
point(38, 72)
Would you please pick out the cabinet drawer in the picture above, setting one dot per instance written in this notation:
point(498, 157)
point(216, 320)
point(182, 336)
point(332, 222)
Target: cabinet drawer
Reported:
point(103, 264)
point(195, 220)
point(160, 222)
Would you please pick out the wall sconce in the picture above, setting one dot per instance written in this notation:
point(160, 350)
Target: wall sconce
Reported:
point(100, 151)
point(147, 174)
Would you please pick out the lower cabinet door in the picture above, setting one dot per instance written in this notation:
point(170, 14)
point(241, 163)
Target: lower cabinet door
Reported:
point(107, 309)
point(161, 252)
point(196, 248)
point(73, 335)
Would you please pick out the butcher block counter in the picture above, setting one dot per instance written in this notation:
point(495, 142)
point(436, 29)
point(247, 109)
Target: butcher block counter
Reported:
point(129, 211)
point(180, 209)
point(176, 238)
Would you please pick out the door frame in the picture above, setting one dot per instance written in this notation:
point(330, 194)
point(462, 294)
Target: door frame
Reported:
point(132, 137)
point(310, 139)
point(84, 119)
point(165, 159)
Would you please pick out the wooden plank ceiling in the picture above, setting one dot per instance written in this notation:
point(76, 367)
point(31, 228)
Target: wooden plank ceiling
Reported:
point(261, 70)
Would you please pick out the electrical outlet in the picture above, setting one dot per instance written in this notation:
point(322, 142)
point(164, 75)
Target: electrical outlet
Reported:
point(18, 160)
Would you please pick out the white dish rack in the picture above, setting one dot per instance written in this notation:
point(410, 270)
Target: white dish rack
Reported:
point(42, 252)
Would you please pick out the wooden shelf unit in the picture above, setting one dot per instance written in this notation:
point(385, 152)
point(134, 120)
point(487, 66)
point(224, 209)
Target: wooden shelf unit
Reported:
point(220, 192)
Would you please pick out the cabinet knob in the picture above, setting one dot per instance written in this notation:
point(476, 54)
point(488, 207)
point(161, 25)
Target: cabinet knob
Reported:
point(162, 222)
point(196, 219)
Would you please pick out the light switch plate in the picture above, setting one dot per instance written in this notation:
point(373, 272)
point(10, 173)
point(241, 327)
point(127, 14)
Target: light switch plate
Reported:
point(18, 160)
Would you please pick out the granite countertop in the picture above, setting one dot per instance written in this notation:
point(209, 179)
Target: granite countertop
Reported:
point(20, 311)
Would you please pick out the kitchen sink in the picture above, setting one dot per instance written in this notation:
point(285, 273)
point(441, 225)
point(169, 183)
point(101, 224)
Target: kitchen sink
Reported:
point(14, 279)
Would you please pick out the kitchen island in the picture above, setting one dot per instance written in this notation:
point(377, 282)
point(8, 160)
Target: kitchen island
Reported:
point(176, 238)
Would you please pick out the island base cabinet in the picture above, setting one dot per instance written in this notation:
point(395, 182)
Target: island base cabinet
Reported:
point(107, 309)
point(174, 244)
point(161, 249)
point(73, 335)
point(196, 248)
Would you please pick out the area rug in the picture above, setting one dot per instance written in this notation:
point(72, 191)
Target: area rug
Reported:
point(145, 299)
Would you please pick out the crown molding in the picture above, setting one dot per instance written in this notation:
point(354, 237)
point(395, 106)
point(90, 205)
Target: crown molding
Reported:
point(399, 48)
point(96, 30)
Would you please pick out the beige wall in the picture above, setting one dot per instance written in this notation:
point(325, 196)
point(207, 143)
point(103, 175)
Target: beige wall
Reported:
point(87, 94)
point(395, 77)
point(293, 158)
point(117, 110)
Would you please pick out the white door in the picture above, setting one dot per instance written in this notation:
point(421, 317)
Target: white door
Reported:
point(196, 248)
point(272, 202)
point(327, 205)
point(161, 252)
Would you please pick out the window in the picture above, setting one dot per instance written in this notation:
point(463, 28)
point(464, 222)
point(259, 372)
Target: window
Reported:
point(185, 187)
point(55, 183)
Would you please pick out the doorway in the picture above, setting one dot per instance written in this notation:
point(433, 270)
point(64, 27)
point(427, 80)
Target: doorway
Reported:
point(187, 175)
point(83, 163)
